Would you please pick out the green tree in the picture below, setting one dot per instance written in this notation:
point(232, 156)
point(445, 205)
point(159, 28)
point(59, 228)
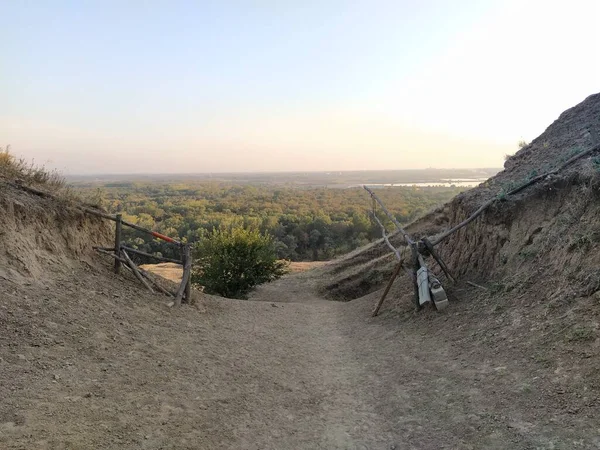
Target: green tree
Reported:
point(234, 260)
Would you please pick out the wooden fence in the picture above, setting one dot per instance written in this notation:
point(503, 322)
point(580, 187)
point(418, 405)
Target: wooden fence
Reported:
point(120, 252)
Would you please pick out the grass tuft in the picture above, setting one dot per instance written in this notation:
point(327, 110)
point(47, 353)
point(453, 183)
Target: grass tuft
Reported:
point(580, 334)
point(18, 169)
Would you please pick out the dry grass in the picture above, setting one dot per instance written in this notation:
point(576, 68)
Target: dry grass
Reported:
point(13, 169)
point(170, 271)
point(303, 266)
point(173, 272)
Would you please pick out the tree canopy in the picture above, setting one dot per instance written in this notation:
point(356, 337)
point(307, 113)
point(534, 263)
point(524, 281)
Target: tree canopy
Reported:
point(306, 223)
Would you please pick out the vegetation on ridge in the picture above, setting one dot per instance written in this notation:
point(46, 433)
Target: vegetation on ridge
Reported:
point(13, 168)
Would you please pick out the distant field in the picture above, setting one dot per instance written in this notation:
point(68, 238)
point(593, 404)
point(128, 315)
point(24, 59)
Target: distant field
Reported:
point(296, 267)
point(309, 179)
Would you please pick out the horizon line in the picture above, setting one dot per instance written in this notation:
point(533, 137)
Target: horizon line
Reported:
point(272, 172)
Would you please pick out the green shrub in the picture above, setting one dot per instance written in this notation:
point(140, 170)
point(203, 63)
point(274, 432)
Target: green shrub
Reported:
point(505, 189)
point(581, 334)
point(528, 253)
point(230, 262)
point(572, 152)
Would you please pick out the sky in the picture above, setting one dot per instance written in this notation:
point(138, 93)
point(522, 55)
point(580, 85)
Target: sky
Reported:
point(234, 86)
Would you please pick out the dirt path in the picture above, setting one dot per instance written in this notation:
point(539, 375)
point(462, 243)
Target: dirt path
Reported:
point(93, 366)
point(249, 375)
point(418, 389)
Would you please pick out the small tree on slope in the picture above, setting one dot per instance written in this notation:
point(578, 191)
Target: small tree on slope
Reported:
point(232, 261)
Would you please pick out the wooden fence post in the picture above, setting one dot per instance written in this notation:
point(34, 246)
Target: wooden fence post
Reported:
point(415, 270)
point(118, 242)
point(185, 280)
point(188, 287)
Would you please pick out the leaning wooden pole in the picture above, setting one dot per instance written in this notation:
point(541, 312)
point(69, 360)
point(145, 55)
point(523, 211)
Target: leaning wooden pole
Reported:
point(110, 253)
point(438, 259)
point(435, 240)
point(387, 288)
point(155, 283)
point(406, 236)
point(144, 273)
point(415, 271)
point(118, 228)
point(386, 239)
point(150, 255)
point(135, 271)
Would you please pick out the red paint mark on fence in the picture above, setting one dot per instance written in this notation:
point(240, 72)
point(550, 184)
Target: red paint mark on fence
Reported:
point(163, 237)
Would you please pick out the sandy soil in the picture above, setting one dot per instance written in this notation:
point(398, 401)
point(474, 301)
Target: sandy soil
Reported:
point(303, 266)
point(170, 271)
point(88, 360)
point(174, 272)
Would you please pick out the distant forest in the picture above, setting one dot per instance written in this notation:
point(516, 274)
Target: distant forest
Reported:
point(307, 223)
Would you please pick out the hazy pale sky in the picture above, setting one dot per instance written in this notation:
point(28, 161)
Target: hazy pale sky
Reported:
point(174, 86)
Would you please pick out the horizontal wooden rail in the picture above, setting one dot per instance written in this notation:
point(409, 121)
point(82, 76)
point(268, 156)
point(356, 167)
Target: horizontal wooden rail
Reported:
point(150, 255)
point(95, 212)
point(439, 238)
point(162, 236)
point(106, 249)
point(133, 225)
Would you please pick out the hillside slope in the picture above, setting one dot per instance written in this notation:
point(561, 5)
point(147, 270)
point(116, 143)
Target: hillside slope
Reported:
point(90, 360)
point(41, 236)
point(549, 230)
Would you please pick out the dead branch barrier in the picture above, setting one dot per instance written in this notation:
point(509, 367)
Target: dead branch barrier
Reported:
point(428, 288)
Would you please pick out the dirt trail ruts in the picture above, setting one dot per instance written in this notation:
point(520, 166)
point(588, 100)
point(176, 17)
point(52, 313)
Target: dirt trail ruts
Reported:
point(420, 389)
point(98, 363)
